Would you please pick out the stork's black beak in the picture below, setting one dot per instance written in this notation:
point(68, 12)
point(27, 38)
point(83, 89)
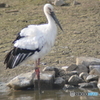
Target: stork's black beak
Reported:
point(56, 20)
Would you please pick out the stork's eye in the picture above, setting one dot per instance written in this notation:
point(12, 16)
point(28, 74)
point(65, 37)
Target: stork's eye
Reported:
point(49, 9)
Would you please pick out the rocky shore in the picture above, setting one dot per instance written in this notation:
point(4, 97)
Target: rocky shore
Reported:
point(81, 37)
point(84, 74)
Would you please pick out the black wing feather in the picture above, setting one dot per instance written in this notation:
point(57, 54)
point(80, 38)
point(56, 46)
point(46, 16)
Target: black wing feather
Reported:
point(18, 37)
point(17, 55)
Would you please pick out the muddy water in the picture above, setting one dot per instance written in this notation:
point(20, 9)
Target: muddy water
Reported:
point(75, 94)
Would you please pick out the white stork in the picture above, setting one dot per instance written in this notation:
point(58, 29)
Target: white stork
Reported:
point(34, 41)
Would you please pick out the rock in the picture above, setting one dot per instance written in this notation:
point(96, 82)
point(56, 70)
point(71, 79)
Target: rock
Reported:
point(46, 80)
point(87, 61)
point(77, 32)
point(94, 83)
point(81, 68)
point(88, 85)
point(67, 86)
point(59, 83)
point(64, 75)
point(92, 78)
point(22, 81)
point(95, 72)
point(2, 5)
point(83, 75)
point(50, 1)
point(62, 72)
point(74, 80)
point(65, 67)
point(91, 67)
point(98, 84)
point(4, 87)
point(66, 78)
point(76, 3)
point(49, 68)
point(59, 2)
point(72, 67)
point(70, 73)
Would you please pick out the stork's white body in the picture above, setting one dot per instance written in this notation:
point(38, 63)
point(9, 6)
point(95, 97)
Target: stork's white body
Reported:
point(38, 36)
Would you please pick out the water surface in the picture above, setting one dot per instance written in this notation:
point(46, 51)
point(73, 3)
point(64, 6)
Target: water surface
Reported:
point(52, 95)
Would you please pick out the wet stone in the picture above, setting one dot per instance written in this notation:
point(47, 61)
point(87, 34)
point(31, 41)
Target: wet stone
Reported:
point(62, 72)
point(74, 80)
point(4, 87)
point(87, 85)
point(83, 75)
point(98, 84)
point(59, 83)
point(49, 68)
point(68, 86)
point(46, 80)
point(22, 81)
point(92, 78)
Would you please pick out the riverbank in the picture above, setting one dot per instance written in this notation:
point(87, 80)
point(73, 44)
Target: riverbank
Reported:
point(81, 36)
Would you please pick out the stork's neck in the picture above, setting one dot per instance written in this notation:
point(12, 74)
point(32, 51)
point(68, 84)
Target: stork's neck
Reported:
point(51, 30)
point(51, 22)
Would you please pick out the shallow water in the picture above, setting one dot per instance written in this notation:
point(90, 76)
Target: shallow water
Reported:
point(75, 94)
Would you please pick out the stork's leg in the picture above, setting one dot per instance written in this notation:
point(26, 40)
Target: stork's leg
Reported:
point(37, 71)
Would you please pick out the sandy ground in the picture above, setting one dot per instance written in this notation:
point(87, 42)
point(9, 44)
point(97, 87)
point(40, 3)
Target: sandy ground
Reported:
point(81, 36)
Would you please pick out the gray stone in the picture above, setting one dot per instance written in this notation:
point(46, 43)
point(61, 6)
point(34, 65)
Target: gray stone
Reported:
point(77, 32)
point(91, 67)
point(59, 83)
point(95, 72)
point(83, 75)
point(49, 68)
point(62, 72)
point(59, 2)
point(98, 84)
point(82, 68)
point(46, 80)
point(76, 3)
point(70, 73)
point(50, 1)
point(87, 61)
point(88, 85)
point(74, 80)
point(2, 5)
point(67, 86)
point(22, 81)
point(94, 83)
point(65, 68)
point(92, 78)
point(72, 67)
point(4, 87)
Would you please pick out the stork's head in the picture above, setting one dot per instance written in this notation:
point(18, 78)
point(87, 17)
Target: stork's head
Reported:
point(48, 9)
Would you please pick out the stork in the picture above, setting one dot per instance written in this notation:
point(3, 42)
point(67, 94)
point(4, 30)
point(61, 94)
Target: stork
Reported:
point(34, 41)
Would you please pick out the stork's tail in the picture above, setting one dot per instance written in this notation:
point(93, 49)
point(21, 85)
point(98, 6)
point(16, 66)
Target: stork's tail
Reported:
point(17, 55)
point(9, 59)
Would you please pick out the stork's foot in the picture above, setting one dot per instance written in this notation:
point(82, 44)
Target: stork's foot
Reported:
point(37, 71)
